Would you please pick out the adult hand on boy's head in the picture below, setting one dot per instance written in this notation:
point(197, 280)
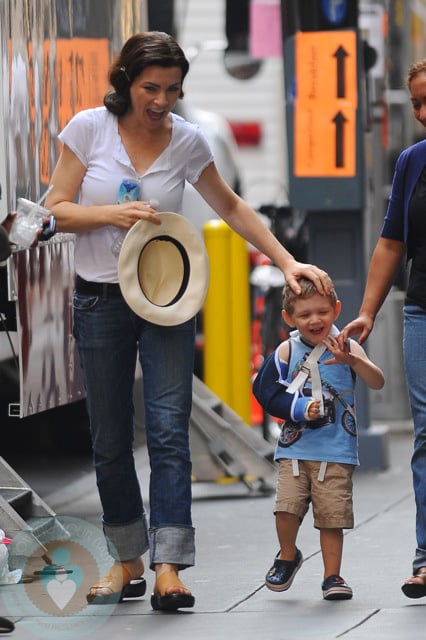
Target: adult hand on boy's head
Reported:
point(295, 270)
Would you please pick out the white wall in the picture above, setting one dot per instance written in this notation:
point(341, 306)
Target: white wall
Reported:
point(209, 86)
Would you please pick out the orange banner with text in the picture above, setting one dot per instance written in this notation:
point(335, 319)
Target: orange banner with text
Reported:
point(325, 105)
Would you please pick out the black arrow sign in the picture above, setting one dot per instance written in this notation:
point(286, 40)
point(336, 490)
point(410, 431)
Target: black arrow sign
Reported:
point(339, 120)
point(340, 56)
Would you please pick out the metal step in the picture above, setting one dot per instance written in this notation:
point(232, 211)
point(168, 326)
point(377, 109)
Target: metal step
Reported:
point(224, 446)
point(23, 511)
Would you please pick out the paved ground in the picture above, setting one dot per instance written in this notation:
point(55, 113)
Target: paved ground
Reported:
point(235, 546)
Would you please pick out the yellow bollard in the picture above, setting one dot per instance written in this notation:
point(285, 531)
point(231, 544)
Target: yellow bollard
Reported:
point(217, 313)
point(240, 327)
point(226, 318)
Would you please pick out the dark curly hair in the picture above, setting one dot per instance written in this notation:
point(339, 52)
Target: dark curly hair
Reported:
point(142, 50)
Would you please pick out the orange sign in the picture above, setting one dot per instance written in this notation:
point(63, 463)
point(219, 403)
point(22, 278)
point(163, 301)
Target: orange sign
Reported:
point(325, 104)
point(81, 81)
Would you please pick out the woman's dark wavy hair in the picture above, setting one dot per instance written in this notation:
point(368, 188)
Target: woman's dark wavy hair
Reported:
point(142, 50)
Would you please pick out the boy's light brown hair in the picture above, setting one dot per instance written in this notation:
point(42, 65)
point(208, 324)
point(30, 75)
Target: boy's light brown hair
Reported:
point(308, 290)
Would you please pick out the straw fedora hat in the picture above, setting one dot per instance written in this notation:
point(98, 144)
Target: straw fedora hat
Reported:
point(163, 270)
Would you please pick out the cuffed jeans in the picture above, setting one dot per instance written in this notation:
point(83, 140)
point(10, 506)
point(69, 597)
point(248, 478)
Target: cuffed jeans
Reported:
point(109, 336)
point(415, 369)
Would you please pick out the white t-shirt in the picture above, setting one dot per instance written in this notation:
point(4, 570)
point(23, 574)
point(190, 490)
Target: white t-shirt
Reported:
point(93, 136)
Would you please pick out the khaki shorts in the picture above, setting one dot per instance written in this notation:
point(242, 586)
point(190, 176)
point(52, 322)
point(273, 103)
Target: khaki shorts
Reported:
point(331, 498)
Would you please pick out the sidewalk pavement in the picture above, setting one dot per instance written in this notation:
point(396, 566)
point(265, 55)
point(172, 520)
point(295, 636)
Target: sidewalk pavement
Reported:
point(236, 544)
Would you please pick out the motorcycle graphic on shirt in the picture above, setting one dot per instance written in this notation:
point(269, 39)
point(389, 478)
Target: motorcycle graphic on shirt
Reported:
point(292, 431)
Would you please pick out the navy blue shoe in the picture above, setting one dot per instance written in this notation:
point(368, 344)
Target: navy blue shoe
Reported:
point(281, 575)
point(335, 588)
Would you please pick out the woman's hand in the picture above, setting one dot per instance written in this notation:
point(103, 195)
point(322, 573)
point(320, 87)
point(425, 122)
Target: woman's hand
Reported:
point(295, 270)
point(126, 214)
point(361, 327)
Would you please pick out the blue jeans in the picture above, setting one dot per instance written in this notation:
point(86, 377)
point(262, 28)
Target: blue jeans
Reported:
point(415, 370)
point(109, 336)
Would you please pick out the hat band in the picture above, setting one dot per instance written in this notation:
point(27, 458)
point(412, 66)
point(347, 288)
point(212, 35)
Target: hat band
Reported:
point(186, 268)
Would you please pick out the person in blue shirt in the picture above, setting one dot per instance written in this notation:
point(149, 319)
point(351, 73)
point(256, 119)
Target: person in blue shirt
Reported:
point(309, 382)
point(404, 235)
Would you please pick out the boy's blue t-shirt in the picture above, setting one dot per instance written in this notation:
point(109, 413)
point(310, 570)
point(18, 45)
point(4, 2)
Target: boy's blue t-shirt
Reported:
point(330, 439)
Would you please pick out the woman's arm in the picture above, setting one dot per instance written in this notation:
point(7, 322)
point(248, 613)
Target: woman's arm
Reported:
point(244, 220)
point(385, 262)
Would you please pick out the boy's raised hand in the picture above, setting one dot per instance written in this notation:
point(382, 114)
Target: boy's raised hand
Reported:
point(341, 354)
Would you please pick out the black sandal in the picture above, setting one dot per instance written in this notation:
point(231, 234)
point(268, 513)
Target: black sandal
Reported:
point(281, 575)
point(113, 589)
point(6, 626)
point(414, 589)
point(162, 601)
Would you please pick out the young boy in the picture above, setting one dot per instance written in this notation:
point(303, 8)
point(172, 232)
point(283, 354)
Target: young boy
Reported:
point(309, 382)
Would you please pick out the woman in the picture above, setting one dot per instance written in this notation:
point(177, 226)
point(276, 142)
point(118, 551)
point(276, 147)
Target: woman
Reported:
point(136, 137)
point(404, 232)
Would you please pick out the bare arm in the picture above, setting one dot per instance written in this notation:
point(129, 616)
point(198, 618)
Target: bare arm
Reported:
point(71, 217)
point(354, 356)
point(384, 265)
point(243, 219)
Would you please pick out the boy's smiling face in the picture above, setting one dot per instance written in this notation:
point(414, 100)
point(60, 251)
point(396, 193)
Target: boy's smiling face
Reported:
point(313, 317)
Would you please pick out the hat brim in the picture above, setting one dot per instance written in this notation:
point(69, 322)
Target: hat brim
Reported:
point(163, 270)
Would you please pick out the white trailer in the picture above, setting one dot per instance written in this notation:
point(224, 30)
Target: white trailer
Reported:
point(55, 56)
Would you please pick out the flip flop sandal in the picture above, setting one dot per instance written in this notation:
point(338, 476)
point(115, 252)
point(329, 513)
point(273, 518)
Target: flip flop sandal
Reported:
point(131, 589)
point(414, 589)
point(162, 601)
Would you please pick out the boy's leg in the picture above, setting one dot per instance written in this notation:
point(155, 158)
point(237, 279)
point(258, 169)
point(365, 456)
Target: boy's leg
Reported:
point(289, 559)
point(333, 587)
point(287, 525)
point(333, 512)
point(291, 504)
point(331, 541)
